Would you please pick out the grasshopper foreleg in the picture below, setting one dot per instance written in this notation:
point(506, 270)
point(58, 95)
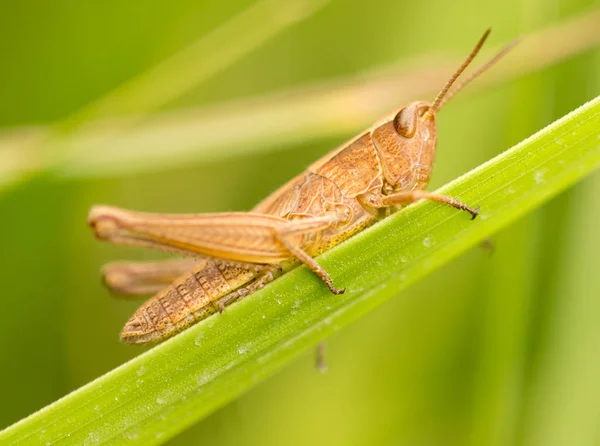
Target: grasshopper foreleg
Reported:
point(400, 198)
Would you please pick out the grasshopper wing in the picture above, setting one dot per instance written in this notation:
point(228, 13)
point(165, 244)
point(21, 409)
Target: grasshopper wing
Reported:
point(237, 236)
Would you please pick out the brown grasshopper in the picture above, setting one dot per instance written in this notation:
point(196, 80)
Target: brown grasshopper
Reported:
point(384, 168)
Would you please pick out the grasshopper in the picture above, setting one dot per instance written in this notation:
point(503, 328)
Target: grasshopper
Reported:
point(381, 170)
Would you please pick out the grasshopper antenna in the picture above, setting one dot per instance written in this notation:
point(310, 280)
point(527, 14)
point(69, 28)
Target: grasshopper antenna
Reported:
point(477, 72)
point(439, 100)
point(446, 94)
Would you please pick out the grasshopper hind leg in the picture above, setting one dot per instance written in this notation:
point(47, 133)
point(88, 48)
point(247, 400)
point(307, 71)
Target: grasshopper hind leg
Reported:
point(269, 275)
point(137, 279)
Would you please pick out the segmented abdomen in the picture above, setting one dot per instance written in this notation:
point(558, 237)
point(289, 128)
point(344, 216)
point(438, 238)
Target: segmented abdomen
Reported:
point(189, 299)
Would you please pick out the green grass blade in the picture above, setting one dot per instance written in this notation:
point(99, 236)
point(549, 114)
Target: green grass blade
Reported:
point(163, 391)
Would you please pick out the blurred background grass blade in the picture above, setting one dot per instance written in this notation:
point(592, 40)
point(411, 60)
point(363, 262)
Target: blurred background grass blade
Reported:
point(160, 393)
point(199, 61)
point(156, 87)
point(278, 121)
point(270, 122)
point(565, 408)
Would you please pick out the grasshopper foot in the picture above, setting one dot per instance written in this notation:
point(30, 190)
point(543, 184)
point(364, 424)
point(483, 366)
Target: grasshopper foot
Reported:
point(334, 290)
point(474, 212)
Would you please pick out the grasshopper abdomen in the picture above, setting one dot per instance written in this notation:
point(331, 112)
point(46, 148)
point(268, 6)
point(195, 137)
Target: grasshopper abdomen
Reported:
point(189, 299)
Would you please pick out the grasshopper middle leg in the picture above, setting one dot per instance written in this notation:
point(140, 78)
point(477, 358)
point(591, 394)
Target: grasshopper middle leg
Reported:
point(300, 227)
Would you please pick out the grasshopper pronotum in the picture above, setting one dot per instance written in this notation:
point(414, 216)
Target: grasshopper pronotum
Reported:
point(382, 169)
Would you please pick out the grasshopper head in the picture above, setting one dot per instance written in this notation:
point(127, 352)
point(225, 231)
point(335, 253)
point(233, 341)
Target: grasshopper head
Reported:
point(406, 146)
point(406, 142)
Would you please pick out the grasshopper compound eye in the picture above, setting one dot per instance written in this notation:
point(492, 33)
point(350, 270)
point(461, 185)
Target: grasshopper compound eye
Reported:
point(405, 122)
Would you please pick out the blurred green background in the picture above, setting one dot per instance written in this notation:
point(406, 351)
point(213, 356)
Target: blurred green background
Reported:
point(500, 349)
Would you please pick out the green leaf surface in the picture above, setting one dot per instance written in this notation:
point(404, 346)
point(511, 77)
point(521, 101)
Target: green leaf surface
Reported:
point(165, 390)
